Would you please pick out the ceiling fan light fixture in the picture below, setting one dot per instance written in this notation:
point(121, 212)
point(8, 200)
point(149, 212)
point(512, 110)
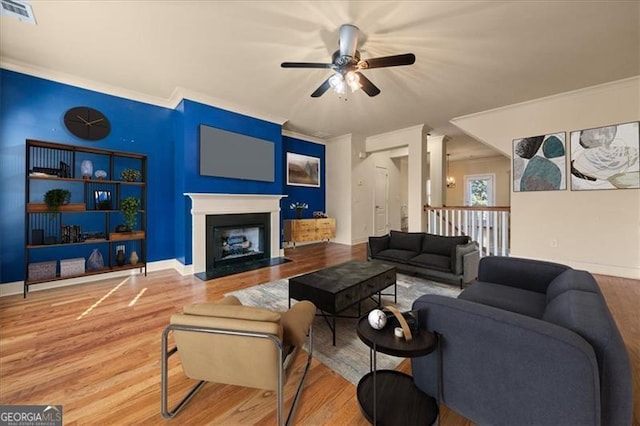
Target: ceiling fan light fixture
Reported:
point(338, 84)
point(353, 80)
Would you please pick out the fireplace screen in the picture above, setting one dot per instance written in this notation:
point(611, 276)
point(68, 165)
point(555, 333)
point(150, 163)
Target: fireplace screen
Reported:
point(234, 239)
point(238, 242)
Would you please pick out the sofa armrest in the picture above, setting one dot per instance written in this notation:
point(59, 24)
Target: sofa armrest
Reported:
point(499, 367)
point(527, 274)
point(376, 245)
point(465, 261)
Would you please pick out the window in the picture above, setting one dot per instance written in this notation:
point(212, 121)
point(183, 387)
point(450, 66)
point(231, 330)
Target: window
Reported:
point(479, 190)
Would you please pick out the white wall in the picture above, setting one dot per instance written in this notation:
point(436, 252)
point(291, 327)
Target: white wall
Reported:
point(594, 230)
point(362, 187)
point(338, 182)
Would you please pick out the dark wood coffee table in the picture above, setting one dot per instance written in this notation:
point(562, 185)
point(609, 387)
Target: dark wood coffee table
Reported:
point(389, 397)
point(339, 287)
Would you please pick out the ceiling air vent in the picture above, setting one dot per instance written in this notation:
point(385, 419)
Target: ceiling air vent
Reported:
point(18, 9)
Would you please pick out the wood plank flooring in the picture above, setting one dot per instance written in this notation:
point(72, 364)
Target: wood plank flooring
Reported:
point(95, 349)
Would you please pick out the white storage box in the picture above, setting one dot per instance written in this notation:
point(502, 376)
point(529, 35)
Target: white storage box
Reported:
point(42, 270)
point(70, 267)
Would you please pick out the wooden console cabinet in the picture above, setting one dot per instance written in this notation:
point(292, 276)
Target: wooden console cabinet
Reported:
point(303, 230)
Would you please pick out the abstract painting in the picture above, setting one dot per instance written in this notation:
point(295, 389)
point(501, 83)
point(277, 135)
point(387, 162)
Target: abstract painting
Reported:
point(540, 163)
point(303, 170)
point(605, 158)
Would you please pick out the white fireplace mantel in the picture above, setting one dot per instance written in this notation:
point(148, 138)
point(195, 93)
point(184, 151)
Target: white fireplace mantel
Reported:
point(203, 204)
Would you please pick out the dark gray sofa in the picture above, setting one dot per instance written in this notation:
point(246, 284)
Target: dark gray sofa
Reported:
point(448, 259)
point(528, 343)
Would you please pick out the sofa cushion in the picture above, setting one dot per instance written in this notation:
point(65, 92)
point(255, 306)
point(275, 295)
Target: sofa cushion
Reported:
point(411, 241)
point(444, 246)
point(377, 244)
point(394, 255)
point(525, 302)
point(432, 261)
point(571, 280)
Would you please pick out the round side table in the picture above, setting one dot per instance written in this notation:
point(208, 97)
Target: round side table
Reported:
point(389, 397)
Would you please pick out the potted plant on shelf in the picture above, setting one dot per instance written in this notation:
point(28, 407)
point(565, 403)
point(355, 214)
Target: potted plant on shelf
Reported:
point(298, 207)
point(129, 207)
point(54, 198)
point(130, 175)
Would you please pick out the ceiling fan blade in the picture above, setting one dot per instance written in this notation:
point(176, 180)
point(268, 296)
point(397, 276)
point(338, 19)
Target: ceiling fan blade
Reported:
point(348, 41)
point(388, 61)
point(320, 90)
point(367, 86)
point(305, 65)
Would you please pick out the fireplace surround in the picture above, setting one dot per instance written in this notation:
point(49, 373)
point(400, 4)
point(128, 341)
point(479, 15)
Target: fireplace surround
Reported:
point(204, 204)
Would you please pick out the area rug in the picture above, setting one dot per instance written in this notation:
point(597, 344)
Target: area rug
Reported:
point(350, 357)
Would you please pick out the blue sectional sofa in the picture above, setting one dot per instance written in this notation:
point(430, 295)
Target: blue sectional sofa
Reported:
point(528, 343)
point(443, 258)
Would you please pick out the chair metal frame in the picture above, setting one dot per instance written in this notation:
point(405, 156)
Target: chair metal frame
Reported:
point(283, 363)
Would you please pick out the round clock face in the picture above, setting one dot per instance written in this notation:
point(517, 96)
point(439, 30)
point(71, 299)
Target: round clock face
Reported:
point(87, 123)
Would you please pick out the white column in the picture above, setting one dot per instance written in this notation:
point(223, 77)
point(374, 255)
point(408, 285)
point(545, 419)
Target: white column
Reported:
point(437, 168)
point(417, 174)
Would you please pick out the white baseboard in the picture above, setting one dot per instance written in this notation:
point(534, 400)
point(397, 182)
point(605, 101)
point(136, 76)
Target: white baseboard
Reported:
point(10, 289)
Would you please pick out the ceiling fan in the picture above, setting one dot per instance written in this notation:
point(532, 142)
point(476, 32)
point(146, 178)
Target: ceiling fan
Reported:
point(347, 64)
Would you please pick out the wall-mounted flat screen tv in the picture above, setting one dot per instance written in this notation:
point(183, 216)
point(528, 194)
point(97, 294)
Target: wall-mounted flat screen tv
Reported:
point(237, 156)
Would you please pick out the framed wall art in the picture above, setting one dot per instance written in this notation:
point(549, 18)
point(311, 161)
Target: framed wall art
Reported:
point(606, 157)
point(102, 200)
point(303, 170)
point(540, 163)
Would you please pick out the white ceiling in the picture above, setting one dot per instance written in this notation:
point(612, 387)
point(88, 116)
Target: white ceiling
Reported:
point(471, 56)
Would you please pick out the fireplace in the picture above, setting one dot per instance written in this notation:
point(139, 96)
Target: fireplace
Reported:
point(236, 238)
point(204, 205)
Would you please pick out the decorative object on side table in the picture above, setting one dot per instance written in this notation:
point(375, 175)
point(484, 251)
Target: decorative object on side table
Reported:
point(54, 198)
point(298, 207)
point(86, 168)
point(129, 207)
point(377, 319)
point(130, 175)
point(134, 258)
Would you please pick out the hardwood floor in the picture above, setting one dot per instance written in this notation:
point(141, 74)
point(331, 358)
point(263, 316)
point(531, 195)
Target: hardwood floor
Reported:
point(95, 349)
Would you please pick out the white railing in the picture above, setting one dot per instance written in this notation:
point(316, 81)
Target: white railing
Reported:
point(488, 226)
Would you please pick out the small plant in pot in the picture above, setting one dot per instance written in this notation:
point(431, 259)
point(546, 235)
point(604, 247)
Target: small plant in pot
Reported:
point(130, 175)
point(54, 198)
point(129, 207)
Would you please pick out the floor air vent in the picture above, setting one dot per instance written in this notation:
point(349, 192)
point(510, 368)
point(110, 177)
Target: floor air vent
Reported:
point(18, 10)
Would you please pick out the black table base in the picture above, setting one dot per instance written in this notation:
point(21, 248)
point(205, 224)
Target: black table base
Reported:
point(398, 400)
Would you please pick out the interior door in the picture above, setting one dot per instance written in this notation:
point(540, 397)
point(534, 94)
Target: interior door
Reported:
point(380, 200)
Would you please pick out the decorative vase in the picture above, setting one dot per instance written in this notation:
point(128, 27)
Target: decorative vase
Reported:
point(120, 258)
point(298, 213)
point(86, 168)
point(134, 258)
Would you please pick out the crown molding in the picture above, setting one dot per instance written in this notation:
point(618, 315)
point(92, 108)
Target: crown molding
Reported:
point(72, 80)
point(178, 94)
point(564, 95)
point(303, 137)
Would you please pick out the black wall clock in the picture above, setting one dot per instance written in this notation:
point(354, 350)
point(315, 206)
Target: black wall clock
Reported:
point(87, 123)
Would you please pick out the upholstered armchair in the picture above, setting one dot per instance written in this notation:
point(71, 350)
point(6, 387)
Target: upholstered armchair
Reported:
point(226, 342)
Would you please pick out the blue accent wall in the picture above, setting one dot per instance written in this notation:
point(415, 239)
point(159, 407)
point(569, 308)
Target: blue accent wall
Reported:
point(33, 108)
point(192, 115)
point(314, 197)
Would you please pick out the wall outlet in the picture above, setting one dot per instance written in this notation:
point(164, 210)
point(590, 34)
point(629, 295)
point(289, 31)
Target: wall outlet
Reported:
point(554, 243)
